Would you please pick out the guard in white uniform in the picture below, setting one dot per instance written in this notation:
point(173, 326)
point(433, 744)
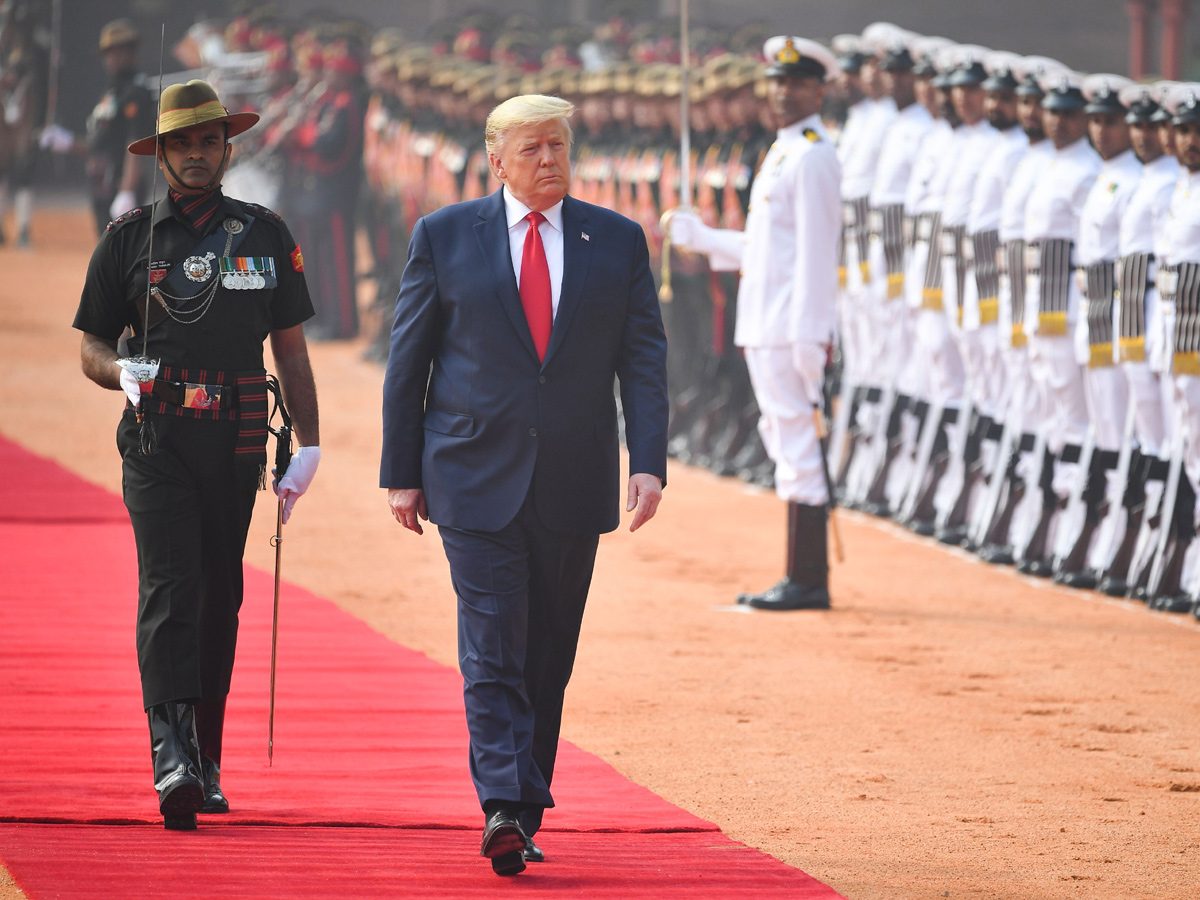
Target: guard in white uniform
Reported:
point(936, 352)
point(1051, 234)
point(786, 311)
point(895, 323)
point(1015, 506)
point(1086, 545)
point(973, 143)
point(1181, 251)
point(1138, 327)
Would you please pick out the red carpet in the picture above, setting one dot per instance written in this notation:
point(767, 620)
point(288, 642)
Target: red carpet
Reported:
point(369, 736)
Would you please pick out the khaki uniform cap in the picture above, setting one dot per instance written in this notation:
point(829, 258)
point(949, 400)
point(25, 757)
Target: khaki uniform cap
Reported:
point(118, 33)
point(185, 105)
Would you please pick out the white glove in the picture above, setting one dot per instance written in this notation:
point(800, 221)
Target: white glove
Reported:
point(131, 386)
point(122, 203)
point(809, 359)
point(56, 138)
point(296, 479)
point(687, 230)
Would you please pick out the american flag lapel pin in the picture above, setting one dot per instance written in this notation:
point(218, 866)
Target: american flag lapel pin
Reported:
point(585, 236)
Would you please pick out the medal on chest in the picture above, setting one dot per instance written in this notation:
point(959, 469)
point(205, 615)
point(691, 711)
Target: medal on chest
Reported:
point(199, 268)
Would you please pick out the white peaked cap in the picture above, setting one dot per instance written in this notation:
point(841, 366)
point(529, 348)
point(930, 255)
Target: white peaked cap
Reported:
point(1037, 66)
point(806, 48)
point(1001, 61)
point(965, 54)
point(1181, 95)
point(844, 44)
point(1058, 78)
point(1097, 84)
point(1137, 93)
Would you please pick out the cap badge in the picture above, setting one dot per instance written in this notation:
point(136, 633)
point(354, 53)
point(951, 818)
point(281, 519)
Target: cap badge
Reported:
point(788, 55)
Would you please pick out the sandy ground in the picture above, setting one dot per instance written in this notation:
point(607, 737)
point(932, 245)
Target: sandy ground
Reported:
point(948, 730)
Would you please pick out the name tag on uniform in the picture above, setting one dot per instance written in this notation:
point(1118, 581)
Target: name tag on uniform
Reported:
point(248, 273)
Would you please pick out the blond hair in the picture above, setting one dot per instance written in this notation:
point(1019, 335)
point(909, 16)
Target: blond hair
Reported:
point(524, 110)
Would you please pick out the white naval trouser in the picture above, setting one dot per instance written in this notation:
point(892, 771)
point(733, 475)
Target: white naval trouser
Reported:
point(786, 395)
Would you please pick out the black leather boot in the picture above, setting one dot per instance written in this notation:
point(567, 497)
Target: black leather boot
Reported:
point(1035, 560)
point(956, 528)
point(806, 585)
point(1115, 582)
point(996, 547)
point(876, 502)
point(1071, 570)
point(175, 754)
point(210, 727)
point(1170, 596)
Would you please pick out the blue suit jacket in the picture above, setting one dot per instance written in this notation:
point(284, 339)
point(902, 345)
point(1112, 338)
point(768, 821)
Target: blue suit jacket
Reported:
point(469, 413)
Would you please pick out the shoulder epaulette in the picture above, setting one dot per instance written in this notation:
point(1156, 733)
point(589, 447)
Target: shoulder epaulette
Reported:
point(125, 217)
point(811, 135)
point(262, 211)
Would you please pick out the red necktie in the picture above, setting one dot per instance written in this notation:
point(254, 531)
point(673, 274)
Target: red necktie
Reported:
point(535, 286)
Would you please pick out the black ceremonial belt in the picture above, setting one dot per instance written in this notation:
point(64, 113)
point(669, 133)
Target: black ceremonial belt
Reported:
point(1187, 318)
point(1134, 276)
point(1099, 286)
point(1051, 260)
point(887, 226)
point(984, 245)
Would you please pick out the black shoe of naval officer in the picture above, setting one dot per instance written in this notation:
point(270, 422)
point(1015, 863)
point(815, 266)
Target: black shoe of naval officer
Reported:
point(806, 585)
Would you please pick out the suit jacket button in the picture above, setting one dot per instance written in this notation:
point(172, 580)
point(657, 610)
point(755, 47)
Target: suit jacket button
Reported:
point(541, 379)
point(533, 432)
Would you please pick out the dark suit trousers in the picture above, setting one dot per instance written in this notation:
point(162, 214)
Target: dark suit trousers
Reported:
point(190, 506)
point(521, 593)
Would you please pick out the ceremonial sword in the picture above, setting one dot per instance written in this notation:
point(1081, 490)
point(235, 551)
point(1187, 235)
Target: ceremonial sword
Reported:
point(822, 435)
point(283, 456)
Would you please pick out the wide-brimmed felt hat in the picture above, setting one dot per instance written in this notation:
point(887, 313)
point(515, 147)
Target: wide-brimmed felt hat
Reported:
point(118, 33)
point(185, 105)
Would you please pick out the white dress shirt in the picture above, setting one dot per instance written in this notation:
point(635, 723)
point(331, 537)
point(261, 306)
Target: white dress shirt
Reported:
point(1181, 239)
point(1059, 193)
point(1143, 220)
point(972, 144)
point(920, 198)
point(789, 255)
point(987, 201)
point(1100, 221)
point(898, 155)
point(1016, 195)
point(552, 240)
point(861, 145)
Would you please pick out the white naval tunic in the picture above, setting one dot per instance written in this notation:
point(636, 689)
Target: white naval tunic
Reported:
point(1055, 205)
point(1099, 241)
point(1142, 233)
point(1181, 244)
point(861, 143)
point(786, 309)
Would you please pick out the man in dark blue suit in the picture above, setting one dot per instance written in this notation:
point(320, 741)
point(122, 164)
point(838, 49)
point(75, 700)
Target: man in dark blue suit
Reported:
point(515, 313)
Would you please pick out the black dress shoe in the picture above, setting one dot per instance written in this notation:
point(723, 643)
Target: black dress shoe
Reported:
point(789, 595)
point(1039, 568)
point(533, 853)
point(996, 554)
point(1113, 587)
point(176, 759)
point(504, 842)
point(214, 797)
point(1180, 603)
point(1084, 580)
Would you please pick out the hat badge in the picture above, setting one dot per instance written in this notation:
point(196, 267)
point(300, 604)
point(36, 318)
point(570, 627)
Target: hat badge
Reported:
point(1191, 102)
point(788, 55)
